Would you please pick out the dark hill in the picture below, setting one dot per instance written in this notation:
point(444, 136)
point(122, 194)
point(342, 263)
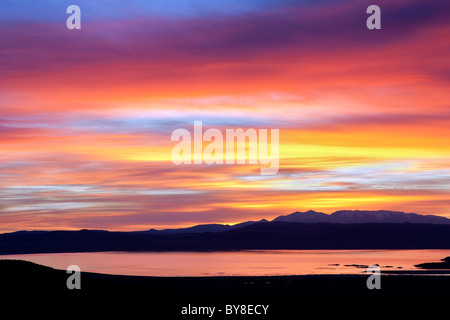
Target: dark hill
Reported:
point(273, 235)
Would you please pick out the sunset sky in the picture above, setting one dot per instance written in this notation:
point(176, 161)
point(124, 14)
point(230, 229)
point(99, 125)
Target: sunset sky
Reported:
point(86, 115)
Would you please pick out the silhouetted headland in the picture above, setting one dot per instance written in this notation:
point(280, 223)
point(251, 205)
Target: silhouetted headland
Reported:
point(444, 264)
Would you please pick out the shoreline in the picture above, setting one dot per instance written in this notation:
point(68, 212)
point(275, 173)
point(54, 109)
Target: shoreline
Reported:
point(271, 263)
point(287, 295)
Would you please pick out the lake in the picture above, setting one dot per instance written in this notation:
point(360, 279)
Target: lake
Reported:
point(236, 263)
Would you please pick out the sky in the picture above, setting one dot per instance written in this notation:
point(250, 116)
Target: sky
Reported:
point(86, 115)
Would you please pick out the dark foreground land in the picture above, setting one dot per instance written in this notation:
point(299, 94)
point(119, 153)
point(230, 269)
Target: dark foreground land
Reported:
point(42, 290)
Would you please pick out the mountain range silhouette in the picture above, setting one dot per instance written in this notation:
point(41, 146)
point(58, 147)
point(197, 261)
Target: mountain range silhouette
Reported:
point(300, 230)
point(311, 216)
point(358, 216)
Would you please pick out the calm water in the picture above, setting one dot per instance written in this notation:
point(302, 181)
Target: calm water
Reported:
point(255, 262)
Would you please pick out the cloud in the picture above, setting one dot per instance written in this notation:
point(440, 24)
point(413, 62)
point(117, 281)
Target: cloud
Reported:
point(87, 116)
